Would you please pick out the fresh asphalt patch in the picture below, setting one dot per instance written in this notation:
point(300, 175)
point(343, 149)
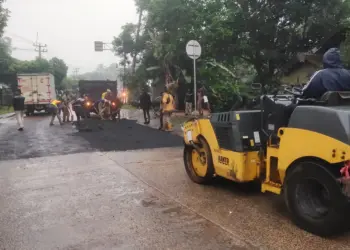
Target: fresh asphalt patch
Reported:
point(39, 139)
point(125, 135)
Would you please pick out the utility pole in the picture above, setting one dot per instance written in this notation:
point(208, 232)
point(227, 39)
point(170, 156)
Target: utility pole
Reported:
point(39, 47)
point(75, 73)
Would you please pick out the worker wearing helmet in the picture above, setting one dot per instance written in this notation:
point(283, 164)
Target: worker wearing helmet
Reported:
point(55, 107)
point(105, 98)
point(106, 94)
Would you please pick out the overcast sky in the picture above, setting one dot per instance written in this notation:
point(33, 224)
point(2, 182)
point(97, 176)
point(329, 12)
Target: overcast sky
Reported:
point(69, 28)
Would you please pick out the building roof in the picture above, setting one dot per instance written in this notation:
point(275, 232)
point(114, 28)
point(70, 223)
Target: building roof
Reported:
point(332, 41)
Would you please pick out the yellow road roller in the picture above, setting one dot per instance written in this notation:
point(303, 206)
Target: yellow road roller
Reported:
point(294, 147)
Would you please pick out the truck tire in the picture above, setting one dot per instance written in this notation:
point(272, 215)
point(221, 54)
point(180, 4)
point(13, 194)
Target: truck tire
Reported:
point(315, 199)
point(206, 175)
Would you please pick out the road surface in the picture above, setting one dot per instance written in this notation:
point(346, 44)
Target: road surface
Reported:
point(123, 186)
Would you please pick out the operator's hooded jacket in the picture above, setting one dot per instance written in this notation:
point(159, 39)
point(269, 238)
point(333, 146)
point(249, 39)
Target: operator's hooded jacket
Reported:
point(333, 76)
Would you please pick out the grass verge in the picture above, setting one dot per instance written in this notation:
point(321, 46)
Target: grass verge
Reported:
point(179, 120)
point(5, 110)
point(129, 107)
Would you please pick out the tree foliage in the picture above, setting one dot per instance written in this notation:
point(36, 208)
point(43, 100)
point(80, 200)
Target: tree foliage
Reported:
point(68, 83)
point(345, 49)
point(5, 42)
point(256, 37)
point(4, 15)
point(55, 66)
point(5, 54)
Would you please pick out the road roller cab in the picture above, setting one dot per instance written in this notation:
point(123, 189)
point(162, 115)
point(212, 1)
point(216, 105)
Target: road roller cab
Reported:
point(295, 150)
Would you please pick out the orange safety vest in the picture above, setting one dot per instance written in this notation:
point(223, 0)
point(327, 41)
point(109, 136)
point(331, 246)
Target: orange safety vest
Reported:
point(167, 102)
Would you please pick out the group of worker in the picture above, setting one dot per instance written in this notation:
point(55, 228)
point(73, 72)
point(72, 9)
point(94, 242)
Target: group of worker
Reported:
point(333, 77)
point(79, 106)
point(166, 108)
point(104, 106)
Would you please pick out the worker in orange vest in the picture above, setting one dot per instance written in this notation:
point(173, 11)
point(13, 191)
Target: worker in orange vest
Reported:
point(167, 103)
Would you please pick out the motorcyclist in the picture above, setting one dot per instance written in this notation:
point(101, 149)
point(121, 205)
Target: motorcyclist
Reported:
point(333, 77)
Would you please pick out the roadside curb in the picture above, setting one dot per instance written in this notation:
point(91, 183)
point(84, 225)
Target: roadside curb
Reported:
point(7, 115)
point(175, 131)
point(138, 116)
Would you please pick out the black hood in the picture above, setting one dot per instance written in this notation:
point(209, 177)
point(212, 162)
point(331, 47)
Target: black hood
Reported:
point(331, 59)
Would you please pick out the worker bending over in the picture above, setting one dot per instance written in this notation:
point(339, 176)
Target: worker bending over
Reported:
point(78, 107)
point(55, 107)
point(104, 103)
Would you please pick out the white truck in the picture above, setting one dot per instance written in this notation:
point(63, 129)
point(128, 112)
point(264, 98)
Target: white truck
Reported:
point(38, 90)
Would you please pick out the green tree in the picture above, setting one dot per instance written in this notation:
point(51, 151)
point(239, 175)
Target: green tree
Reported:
point(124, 44)
point(59, 69)
point(69, 83)
point(4, 15)
point(252, 39)
point(34, 66)
point(5, 54)
point(5, 43)
point(345, 51)
point(268, 34)
point(55, 66)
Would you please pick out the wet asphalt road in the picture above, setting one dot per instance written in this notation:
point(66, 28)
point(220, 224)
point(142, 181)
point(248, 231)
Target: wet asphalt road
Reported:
point(80, 192)
point(39, 139)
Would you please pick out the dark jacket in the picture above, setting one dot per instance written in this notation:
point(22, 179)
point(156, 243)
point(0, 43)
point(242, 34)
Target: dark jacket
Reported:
point(145, 101)
point(18, 103)
point(332, 78)
point(78, 104)
point(118, 103)
point(188, 97)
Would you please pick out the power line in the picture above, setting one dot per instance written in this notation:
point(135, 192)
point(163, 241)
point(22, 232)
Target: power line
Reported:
point(15, 48)
point(20, 37)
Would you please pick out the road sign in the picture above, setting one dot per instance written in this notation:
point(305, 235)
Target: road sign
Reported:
point(98, 46)
point(193, 49)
